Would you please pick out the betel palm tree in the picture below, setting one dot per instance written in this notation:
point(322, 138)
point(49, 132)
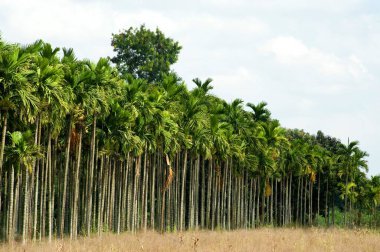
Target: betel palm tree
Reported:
point(20, 155)
point(98, 89)
point(203, 88)
point(16, 92)
point(71, 79)
point(54, 99)
point(191, 120)
point(290, 164)
point(351, 157)
point(15, 89)
point(76, 75)
point(259, 112)
point(274, 139)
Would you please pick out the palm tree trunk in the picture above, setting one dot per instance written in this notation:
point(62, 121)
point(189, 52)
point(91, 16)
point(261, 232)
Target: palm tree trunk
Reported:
point(333, 207)
point(153, 196)
point(10, 205)
point(125, 193)
point(229, 195)
point(203, 195)
point(50, 187)
point(263, 203)
point(16, 202)
point(197, 192)
point(345, 202)
point(326, 203)
point(304, 201)
point(67, 159)
point(311, 203)
point(4, 132)
point(319, 192)
point(91, 175)
point(36, 204)
point(74, 229)
point(258, 201)
point(183, 188)
point(254, 203)
point(144, 193)
point(290, 197)
point(298, 200)
point(271, 205)
point(26, 208)
point(208, 206)
point(135, 194)
point(35, 177)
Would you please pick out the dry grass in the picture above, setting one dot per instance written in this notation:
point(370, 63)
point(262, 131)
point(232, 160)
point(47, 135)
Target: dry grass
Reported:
point(266, 239)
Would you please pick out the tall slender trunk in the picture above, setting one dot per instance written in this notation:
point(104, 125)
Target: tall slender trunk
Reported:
point(229, 195)
point(50, 188)
point(135, 193)
point(197, 192)
point(311, 203)
point(290, 197)
point(345, 202)
point(263, 203)
point(153, 196)
point(36, 204)
point(91, 175)
point(203, 194)
point(26, 207)
point(258, 201)
point(327, 214)
point(271, 205)
point(183, 188)
point(16, 203)
point(144, 192)
point(10, 205)
point(254, 203)
point(74, 228)
point(302, 206)
point(101, 193)
point(319, 192)
point(4, 132)
point(35, 179)
point(67, 159)
point(125, 194)
point(298, 200)
point(208, 206)
point(333, 207)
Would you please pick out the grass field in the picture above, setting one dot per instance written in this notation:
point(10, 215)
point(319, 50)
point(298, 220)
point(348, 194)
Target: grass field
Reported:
point(266, 239)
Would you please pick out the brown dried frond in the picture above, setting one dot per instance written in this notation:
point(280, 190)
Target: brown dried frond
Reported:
point(169, 179)
point(268, 189)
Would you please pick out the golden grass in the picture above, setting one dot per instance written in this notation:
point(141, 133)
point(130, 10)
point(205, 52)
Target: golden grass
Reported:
point(265, 239)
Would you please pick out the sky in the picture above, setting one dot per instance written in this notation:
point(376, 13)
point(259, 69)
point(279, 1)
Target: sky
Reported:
point(316, 63)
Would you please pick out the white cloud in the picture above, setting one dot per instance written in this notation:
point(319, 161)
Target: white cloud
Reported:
point(232, 84)
point(291, 51)
point(301, 5)
point(313, 79)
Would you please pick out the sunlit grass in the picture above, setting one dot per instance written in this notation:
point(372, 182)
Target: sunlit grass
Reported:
point(265, 239)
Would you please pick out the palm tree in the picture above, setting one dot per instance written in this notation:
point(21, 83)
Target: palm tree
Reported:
point(15, 88)
point(21, 155)
point(53, 106)
point(352, 158)
point(259, 112)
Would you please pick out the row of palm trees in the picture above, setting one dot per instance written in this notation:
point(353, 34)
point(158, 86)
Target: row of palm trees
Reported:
point(84, 150)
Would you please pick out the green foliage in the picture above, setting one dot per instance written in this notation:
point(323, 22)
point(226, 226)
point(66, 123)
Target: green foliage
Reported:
point(144, 53)
point(103, 141)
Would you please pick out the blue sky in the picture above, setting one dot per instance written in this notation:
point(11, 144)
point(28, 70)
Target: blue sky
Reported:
point(316, 63)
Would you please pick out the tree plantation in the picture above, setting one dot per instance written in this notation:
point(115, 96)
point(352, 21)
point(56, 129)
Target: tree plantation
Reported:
point(91, 147)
